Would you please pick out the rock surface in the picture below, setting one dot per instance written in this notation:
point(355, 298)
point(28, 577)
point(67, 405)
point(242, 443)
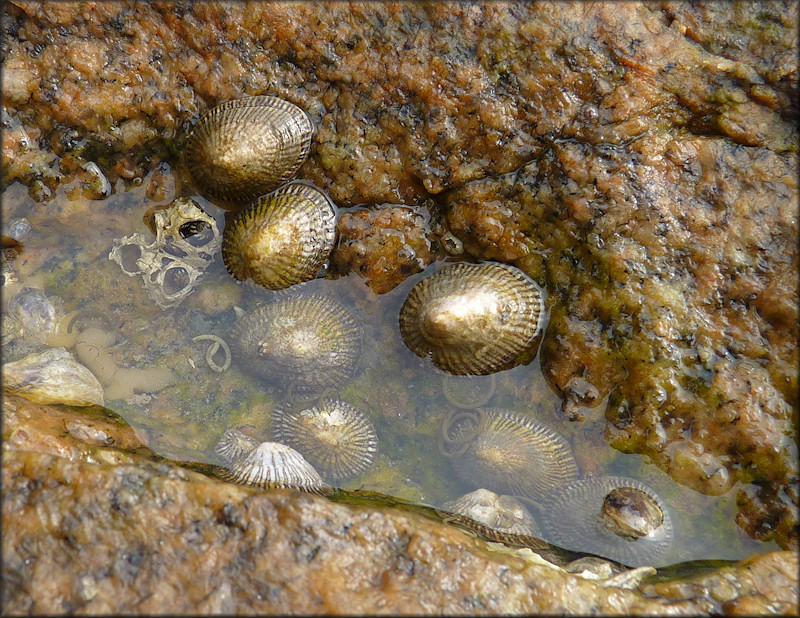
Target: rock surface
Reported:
point(93, 523)
point(639, 160)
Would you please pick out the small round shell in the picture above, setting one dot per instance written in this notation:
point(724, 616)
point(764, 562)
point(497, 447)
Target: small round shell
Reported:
point(573, 518)
point(281, 239)
point(273, 465)
point(234, 444)
point(308, 342)
point(507, 452)
point(241, 149)
point(333, 435)
point(503, 514)
point(473, 319)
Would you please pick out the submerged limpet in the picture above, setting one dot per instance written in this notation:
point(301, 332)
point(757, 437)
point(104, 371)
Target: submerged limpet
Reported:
point(501, 514)
point(281, 239)
point(333, 435)
point(506, 452)
point(580, 516)
point(247, 147)
point(310, 342)
point(273, 465)
point(473, 319)
point(234, 444)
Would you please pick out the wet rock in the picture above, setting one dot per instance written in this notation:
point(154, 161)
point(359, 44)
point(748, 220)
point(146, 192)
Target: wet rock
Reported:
point(409, 99)
point(638, 160)
point(90, 527)
point(384, 245)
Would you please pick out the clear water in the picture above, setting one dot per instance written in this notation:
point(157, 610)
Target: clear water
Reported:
point(66, 255)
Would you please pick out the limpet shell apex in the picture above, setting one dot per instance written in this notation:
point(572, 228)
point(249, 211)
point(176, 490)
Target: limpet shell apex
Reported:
point(247, 147)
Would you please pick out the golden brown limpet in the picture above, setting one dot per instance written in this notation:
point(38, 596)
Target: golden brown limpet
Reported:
point(473, 319)
point(281, 239)
point(244, 148)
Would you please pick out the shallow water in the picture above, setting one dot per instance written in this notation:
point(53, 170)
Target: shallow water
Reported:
point(66, 255)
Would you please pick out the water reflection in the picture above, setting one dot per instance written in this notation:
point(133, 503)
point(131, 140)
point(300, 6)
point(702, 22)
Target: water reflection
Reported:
point(403, 396)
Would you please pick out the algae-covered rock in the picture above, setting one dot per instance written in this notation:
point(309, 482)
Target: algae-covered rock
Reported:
point(637, 159)
point(94, 522)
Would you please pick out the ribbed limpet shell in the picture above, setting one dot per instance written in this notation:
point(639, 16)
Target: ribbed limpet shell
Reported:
point(333, 435)
point(506, 452)
point(501, 514)
point(575, 516)
point(309, 342)
point(244, 148)
point(473, 319)
point(281, 239)
point(233, 444)
point(271, 465)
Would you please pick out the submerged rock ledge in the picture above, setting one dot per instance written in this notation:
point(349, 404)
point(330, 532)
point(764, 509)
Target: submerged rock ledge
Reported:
point(91, 524)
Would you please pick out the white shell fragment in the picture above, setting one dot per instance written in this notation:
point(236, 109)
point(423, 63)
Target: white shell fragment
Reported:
point(51, 377)
point(187, 239)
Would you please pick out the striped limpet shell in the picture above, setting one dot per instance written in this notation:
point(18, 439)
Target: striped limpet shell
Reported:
point(273, 465)
point(614, 517)
point(281, 239)
point(473, 319)
point(233, 444)
point(244, 148)
point(506, 452)
point(309, 342)
point(333, 435)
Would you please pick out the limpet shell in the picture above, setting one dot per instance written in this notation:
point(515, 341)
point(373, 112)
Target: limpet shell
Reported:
point(333, 435)
point(52, 376)
point(271, 465)
point(234, 444)
point(572, 516)
point(281, 239)
point(502, 514)
point(308, 342)
point(506, 452)
point(473, 319)
point(244, 148)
